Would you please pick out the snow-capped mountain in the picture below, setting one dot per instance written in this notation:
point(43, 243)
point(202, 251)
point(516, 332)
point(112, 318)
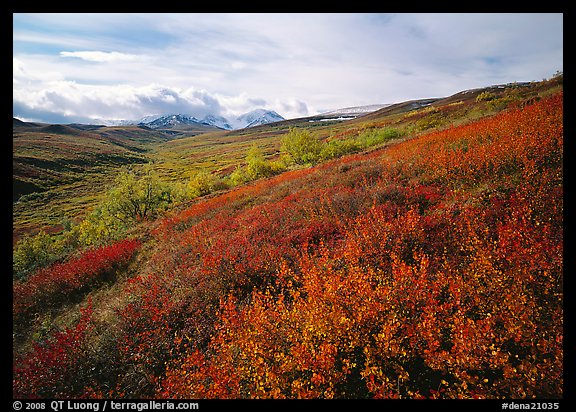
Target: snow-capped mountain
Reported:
point(113, 122)
point(254, 118)
point(217, 121)
point(347, 113)
point(171, 120)
point(148, 119)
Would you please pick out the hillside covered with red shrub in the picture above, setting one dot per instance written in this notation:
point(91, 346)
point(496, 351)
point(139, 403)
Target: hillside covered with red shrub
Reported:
point(429, 268)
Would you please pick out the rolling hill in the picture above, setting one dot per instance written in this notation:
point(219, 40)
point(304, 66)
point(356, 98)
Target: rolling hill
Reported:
point(382, 271)
point(59, 170)
point(53, 165)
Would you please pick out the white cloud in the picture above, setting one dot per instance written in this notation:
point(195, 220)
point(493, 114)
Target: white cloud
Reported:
point(27, 75)
point(112, 102)
point(295, 64)
point(235, 105)
point(84, 103)
point(291, 107)
point(102, 57)
point(238, 65)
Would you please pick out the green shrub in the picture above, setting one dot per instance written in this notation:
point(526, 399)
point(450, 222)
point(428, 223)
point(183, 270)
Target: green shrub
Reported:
point(431, 121)
point(137, 197)
point(32, 252)
point(201, 183)
point(256, 167)
point(485, 96)
point(101, 227)
point(337, 148)
point(511, 95)
point(238, 176)
point(256, 164)
point(301, 146)
point(373, 137)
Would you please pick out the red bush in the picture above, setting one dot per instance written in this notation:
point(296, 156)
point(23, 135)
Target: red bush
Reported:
point(56, 367)
point(448, 285)
point(54, 284)
point(428, 269)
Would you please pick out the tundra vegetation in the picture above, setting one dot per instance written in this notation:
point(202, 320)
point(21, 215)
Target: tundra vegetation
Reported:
point(415, 255)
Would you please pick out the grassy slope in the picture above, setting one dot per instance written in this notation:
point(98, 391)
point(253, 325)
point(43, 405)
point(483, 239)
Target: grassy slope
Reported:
point(220, 152)
point(237, 242)
point(60, 171)
point(371, 275)
point(67, 169)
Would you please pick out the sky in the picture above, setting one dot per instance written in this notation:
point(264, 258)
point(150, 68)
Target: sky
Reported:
point(75, 67)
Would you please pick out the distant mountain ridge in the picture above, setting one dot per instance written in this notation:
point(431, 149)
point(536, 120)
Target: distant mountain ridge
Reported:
point(256, 118)
point(355, 110)
point(171, 121)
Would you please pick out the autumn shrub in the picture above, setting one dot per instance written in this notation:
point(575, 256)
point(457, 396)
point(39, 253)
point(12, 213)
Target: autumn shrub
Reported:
point(448, 286)
point(485, 96)
point(59, 367)
point(430, 268)
point(61, 282)
point(146, 327)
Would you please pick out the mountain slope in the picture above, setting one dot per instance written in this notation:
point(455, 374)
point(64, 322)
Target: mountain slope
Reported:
point(354, 111)
point(383, 274)
point(200, 147)
point(256, 117)
point(375, 269)
point(60, 170)
point(174, 121)
point(186, 122)
point(216, 121)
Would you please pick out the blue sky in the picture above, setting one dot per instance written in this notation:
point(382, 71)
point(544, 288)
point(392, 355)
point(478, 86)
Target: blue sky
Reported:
point(77, 67)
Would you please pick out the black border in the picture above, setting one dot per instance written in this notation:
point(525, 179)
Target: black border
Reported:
point(457, 405)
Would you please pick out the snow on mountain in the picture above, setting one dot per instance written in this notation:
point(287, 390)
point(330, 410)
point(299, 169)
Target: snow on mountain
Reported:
point(256, 118)
point(171, 120)
point(217, 121)
point(148, 119)
point(113, 122)
point(356, 110)
point(156, 121)
point(347, 113)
